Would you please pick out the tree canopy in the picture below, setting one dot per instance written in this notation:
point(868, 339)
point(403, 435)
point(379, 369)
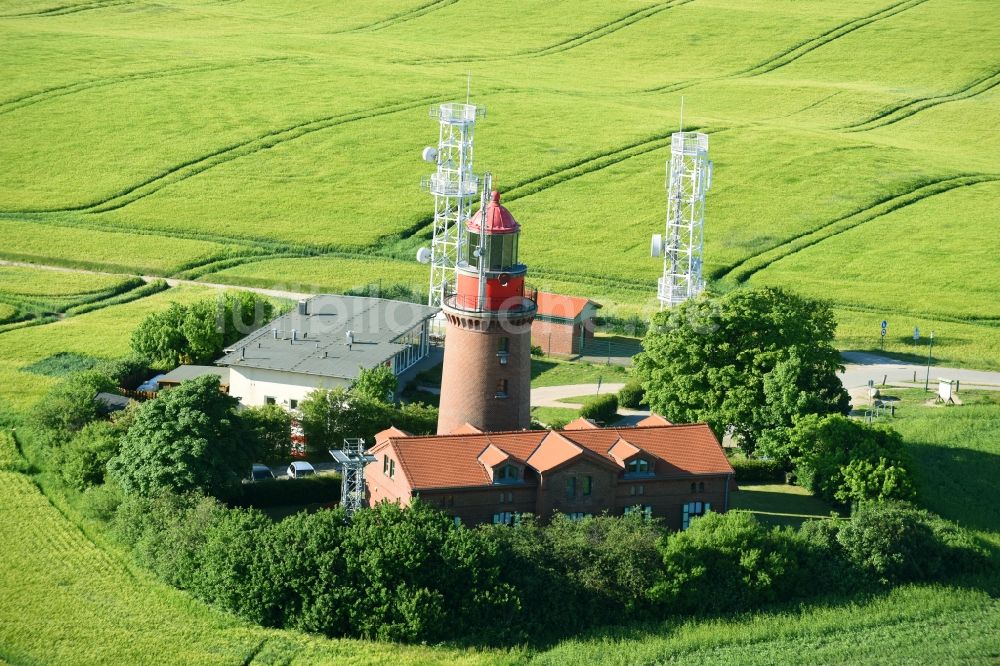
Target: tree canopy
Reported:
point(70, 405)
point(752, 360)
point(188, 438)
point(329, 416)
point(378, 383)
point(198, 333)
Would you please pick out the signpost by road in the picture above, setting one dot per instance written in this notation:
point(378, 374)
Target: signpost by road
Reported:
point(885, 325)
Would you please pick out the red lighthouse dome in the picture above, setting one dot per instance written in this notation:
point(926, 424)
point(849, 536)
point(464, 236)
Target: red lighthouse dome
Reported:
point(498, 219)
point(490, 243)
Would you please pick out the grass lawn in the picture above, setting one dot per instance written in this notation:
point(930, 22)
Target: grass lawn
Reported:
point(550, 372)
point(779, 504)
point(549, 415)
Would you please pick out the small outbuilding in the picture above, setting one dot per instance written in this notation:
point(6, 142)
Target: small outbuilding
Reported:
point(183, 373)
point(563, 324)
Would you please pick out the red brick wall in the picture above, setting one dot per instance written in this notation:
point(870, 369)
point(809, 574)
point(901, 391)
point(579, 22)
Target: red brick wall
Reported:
point(552, 494)
point(554, 337)
point(472, 370)
point(380, 487)
point(667, 497)
point(477, 506)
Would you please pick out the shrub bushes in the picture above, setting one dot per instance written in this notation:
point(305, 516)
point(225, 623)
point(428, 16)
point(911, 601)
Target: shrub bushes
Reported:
point(894, 542)
point(727, 562)
point(602, 408)
point(413, 575)
point(752, 470)
point(632, 395)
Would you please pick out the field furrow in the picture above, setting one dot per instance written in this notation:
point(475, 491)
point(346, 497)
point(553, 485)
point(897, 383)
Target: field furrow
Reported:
point(795, 52)
point(200, 164)
point(742, 271)
point(62, 10)
point(402, 17)
point(68, 89)
point(899, 112)
point(799, 50)
point(585, 37)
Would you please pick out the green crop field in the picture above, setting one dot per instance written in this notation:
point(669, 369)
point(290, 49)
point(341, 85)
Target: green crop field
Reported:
point(103, 333)
point(270, 144)
point(854, 144)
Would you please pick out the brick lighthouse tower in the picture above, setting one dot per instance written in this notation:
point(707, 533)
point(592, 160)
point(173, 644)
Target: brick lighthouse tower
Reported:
point(486, 379)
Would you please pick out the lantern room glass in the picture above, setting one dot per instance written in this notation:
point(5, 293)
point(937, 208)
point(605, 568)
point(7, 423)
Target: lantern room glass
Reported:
point(500, 251)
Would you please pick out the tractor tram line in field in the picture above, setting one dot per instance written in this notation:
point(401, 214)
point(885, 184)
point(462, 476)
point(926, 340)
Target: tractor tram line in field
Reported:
point(795, 52)
point(11, 105)
point(588, 36)
point(746, 268)
point(898, 112)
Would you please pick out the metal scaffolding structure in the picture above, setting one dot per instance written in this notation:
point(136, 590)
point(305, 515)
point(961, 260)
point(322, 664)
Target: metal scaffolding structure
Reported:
point(454, 187)
point(352, 460)
point(689, 176)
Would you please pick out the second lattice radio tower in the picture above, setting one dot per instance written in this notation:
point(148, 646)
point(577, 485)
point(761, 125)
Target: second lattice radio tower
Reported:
point(689, 175)
point(454, 186)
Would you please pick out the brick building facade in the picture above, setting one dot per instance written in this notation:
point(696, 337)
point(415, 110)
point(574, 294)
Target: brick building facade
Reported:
point(670, 472)
point(563, 324)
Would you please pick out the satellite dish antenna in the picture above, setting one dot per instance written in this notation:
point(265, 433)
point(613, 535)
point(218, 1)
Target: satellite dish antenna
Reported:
point(430, 154)
point(424, 255)
point(656, 245)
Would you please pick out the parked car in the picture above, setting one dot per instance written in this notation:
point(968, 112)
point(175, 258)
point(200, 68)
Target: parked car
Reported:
point(260, 473)
point(300, 468)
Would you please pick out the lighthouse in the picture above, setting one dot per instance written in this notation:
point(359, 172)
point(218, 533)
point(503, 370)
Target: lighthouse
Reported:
point(486, 379)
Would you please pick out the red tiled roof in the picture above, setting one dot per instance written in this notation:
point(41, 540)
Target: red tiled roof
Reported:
point(581, 423)
point(465, 429)
point(391, 431)
point(452, 461)
point(653, 420)
point(563, 307)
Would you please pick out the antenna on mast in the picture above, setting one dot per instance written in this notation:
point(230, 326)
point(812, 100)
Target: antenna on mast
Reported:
point(681, 127)
point(468, 87)
point(481, 250)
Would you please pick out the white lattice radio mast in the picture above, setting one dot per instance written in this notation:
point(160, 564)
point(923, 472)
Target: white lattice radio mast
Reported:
point(689, 175)
point(454, 187)
point(352, 460)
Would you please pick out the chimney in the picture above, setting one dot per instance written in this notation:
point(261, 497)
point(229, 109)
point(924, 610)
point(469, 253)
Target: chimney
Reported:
point(324, 354)
point(350, 339)
point(295, 335)
point(303, 307)
point(275, 331)
point(243, 353)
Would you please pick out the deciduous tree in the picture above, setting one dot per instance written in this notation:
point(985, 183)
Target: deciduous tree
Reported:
point(752, 360)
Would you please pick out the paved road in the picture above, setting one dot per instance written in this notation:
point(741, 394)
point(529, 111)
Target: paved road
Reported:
point(862, 366)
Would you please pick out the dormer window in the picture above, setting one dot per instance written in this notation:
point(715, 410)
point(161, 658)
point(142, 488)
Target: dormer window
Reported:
point(638, 466)
point(507, 474)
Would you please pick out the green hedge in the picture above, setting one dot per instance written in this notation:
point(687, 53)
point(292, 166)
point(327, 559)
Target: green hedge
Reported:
point(319, 489)
point(750, 470)
point(632, 395)
point(603, 408)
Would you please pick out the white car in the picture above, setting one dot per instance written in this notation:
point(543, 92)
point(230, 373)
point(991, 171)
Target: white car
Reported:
point(299, 469)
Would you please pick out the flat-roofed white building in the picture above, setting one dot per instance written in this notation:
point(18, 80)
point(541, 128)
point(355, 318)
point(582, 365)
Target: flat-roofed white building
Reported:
point(324, 343)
